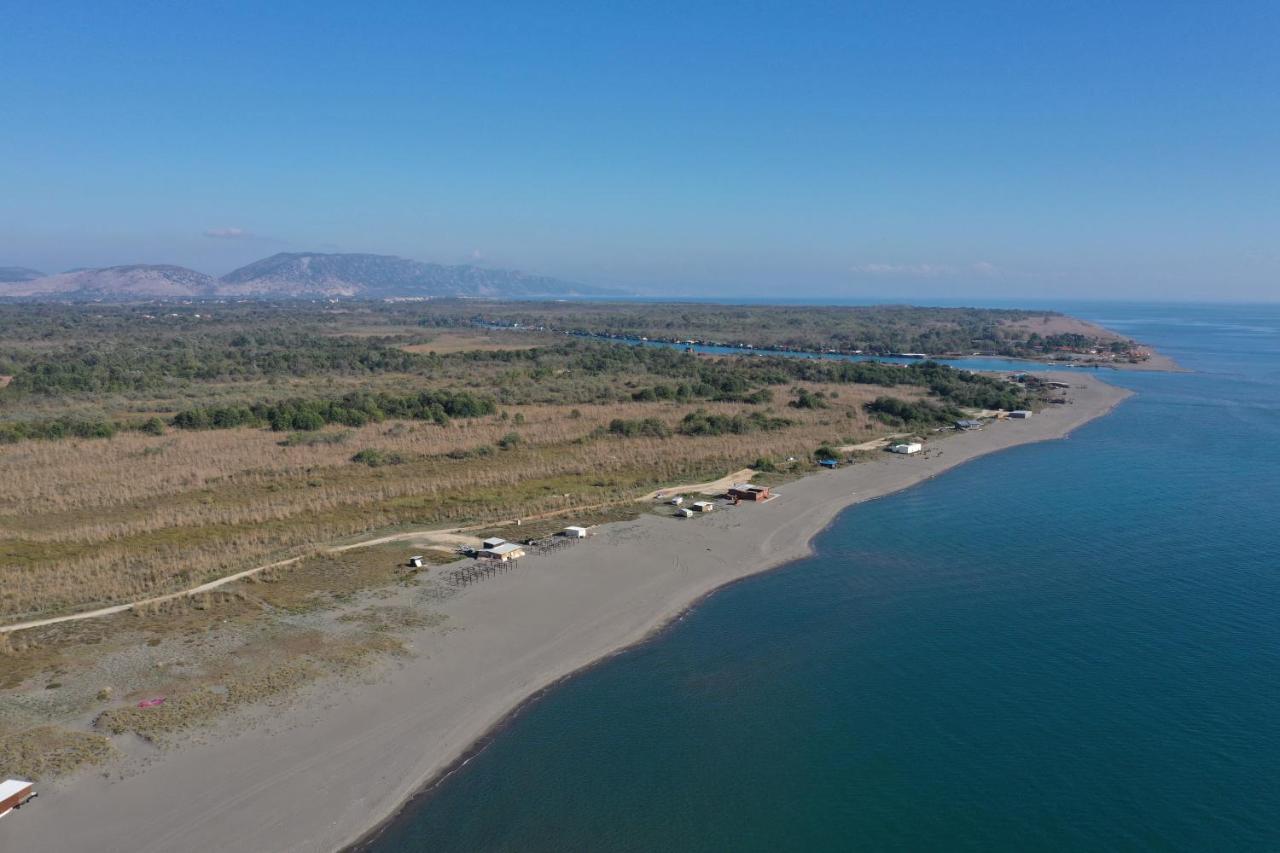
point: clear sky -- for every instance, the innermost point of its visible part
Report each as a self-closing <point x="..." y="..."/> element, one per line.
<point x="886" y="149"/>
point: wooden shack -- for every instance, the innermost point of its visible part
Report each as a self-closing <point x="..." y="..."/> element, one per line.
<point x="748" y="492"/>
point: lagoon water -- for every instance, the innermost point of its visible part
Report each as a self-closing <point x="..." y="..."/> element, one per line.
<point x="1066" y="646"/>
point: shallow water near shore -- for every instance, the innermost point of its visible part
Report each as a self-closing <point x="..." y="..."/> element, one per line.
<point x="1069" y="646"/>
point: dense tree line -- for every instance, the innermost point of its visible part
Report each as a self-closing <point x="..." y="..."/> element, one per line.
<point x="905" y="413"/>
<point x="879" y="329"/>
<point x="353" y="410"/>
<point x="704" y="423"/>
<point x="138" y="366"/>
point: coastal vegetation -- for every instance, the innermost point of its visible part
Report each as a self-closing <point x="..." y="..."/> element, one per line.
<point x="148" y="452"/>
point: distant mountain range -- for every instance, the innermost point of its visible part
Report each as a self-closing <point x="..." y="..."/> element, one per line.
<point x="286" y="275"/>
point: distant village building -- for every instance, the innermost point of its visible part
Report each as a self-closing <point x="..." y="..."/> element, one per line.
<point x="908" y="447"/>
<point x="748" y="492"/>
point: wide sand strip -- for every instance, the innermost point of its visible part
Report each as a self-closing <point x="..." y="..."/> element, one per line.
<point x="324" y="770"/>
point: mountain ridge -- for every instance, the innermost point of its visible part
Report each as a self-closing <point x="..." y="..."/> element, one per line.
<point x="289" y="275"/>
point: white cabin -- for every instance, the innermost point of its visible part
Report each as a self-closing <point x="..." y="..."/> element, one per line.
<point x="1021" y="414"/>
<point x="574" y="532"/>
<point x="503" y="552"/>
<point x="676" y="501"/>
<point x="493" y="542"/>
<point x="908" y="447"/>
<point x="684" y="512"/>
<point x="703" y="506"/>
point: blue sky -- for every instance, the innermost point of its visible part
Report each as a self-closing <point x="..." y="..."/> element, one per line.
<point x="887" y="150"/>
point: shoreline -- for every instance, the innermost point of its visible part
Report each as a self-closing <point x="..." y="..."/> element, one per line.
<point x="331" y="771"/>
<point x="460" y="761"/>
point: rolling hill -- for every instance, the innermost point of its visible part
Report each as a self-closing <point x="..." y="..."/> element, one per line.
<point x="287" y="276"/>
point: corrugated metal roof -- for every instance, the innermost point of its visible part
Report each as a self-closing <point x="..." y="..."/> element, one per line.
<point x="505" y="548"/>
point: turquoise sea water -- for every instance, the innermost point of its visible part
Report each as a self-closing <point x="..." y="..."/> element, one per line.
<point x="1067" y="646"/>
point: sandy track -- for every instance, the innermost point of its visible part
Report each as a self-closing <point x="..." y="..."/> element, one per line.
<point x="709" y="488"/>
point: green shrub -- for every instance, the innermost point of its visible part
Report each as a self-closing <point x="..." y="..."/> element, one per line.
<point x="377" y="458"/>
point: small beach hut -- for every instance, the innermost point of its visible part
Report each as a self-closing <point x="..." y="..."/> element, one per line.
<point x="13" y="793"/>
<point x="415" y="562"/>
<point x="968" y="424"/>
<point x="1020" y="414"/>
<point x="703" y="506"/>
<point x="748" y="492"/>
<point x="574" y="532"/>
<point x="684" y="512"/>
<point x="908" y="447"/>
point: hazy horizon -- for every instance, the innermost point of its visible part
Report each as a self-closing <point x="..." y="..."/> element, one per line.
<point x="900" y="154"/>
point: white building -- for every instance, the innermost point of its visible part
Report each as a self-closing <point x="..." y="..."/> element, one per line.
<point x="1021" y="414"/>
<point x="684" y="512"/>
<point x="503" y="552"/>
<point x="703" y="506"/>
<point x="574" y="532"/>
<point x="493" y="542"/>
<point x="676" y="501"/>
<point x="908" y="447"/>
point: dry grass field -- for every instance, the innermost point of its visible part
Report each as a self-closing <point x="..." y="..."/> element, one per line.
<point x="92" y="522"/>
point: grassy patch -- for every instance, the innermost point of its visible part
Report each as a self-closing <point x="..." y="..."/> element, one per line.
<point x="45" y="751"/>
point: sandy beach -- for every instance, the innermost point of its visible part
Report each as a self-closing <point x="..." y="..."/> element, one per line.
<point x="322" y="771"/>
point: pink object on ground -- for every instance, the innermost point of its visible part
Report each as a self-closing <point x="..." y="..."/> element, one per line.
<point x="151" y="703"/>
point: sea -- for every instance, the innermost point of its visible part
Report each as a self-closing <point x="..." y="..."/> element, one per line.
<point x="1068" y="646"/>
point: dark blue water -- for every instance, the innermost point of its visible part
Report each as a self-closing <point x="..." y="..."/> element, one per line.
<point x="1067" y="646"/>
